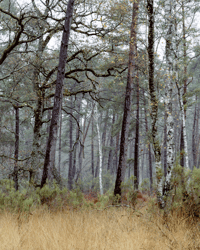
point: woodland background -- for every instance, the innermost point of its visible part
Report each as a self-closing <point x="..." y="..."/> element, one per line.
<point x="90" y="124"/>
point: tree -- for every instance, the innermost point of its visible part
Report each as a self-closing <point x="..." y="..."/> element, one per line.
<point x="170" y="17"/>
<point x="59" y="87"/>
<point x="136" y="158"/>
<point x="70" y="171"/>
<point x="128" y="101"/>
<point x="154" y="99"/>
<point x="18" y="21"/>
<point x="15" y="172"/>
<point x="96" y="115"/>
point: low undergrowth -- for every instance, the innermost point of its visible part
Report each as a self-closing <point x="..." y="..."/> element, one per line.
<point x="109" y="228"/>
<point x="51" y="218"/>
<point x="52" y="198"/>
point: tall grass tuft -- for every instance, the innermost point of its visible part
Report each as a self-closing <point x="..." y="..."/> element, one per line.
<point x="112" y="228"/>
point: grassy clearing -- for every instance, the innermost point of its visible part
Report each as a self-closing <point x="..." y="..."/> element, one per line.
<point x="111" y="228"/>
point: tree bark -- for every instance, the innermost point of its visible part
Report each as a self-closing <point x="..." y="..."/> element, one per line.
<point x="97" y="167"/>
<point x="137" y="135"/>
<point x="60" y="144"/>
<point x="142" y="168"/>
<point x="70" y="171"/>
<point x="92" y="148"/>
<point x="183" y="133"/>
<point x="165" y="147"/>
<point x="154" y="101"/>
<point x="128" y="101"/>
<point x="77" y="136"/>
<point x="110" y="156"/>
<point x="195" y="136"/>
<point x="59" y="87"/>
<point x="85" y="131"/>
<point x="104" y="137"/>
<point x="40" y="93"/>
<point x="149" y="149"/>
<point x="100" y="150"/>
<point x="15" y="176"/>
<point x="114" y="170"/>
<point x="168" y="94"/>
<point x="182" y="101"/>
<point x="38" y="114"/>
<point x="184" y="60"/>
<point x="130" y="156"/>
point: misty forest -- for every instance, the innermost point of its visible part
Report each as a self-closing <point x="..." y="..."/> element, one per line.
<point x="100" y="108"/>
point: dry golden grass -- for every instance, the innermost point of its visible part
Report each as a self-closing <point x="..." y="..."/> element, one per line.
<point x="108" y="229"/>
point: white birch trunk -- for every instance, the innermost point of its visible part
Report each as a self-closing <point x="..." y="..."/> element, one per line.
<point x="184" y="130"/>
<point x="96" y="115"/>
<point x="183" y="115"/>
<point x="159" y="184"/>
<point x="169" y="91"/>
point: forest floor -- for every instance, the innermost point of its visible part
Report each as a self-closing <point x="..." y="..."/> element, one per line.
<point x="109" y="228"/>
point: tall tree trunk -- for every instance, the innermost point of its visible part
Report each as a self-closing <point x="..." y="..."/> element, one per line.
<point x="58" y="92"/>
<point x="104" y="137"/>
<point x="142" y="168"/>
<point x="128" y="101"/>
<point x="154" y="101"/>
<point x="150" y="169"/>
<point x="110" y="156"/>
<point x="92" y="148"/>
<point x="114" y="170"/>
<point x="60" y="143"/>
<point x="15" y="176"/>
<point x="184" y="91"/>
<point x="38" y="114"/>
<point x="137" y="135"/>
<point x="149" y="149"/>
<point x="183" y="132"/>
<point x="184" y="59"/>
<point x="70" y="171"/>
<point x="97" y="167"/>
<point x="168" y="94"/>
<point x="85" y="131"/>
<point x="79" y="100"/>
<point x="130" y="156"/>
<point x="181" y="147"/>
<point x="195" y="135"/>
<point x="183" y="102"/>
<point x="165" y="147"/>
<point x="50" y="175"/>
<point x="100" y="150"/>
<point x="40" y="93"/>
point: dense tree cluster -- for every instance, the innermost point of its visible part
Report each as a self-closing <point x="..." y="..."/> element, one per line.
<point x="98" y="92"/>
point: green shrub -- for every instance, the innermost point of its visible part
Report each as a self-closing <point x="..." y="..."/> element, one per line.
<point x="75" y="197"/>
<point x="145" y="185"/>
